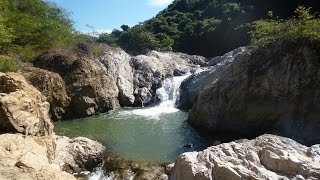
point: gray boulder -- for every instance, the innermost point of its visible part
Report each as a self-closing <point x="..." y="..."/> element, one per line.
<point x="275" y="89"/>
<point x="192" y="86"/>
<point x="117" y="63"/>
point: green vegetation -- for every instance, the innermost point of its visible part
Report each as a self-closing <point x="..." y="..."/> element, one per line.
<point x="8" y="64"/>
<point x="30" y="27"/>
<point x="204" y="27"/>
<point x="303" y="25"/>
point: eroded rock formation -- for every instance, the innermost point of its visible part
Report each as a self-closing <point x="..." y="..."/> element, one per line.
<point x="52" y="86"/>
<point x="274" y="89"/>
<point x="87" y="82"/>
<point x="23" y="109"/>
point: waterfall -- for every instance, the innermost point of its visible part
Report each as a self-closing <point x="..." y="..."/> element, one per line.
<point x="168" y="94"/>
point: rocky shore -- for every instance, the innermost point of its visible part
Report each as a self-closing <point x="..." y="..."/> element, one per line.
<point x="29" y="149"/>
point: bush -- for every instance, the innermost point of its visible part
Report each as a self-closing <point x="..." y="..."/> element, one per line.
<point x="8" y="64"/>
<point x="303" y="25"/>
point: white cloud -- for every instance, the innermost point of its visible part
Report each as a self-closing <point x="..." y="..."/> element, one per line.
<point x="96" y="32"/>
<point x="159" y="2"/>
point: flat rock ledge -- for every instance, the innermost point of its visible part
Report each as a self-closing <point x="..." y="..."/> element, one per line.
<point x="266" y="157"/>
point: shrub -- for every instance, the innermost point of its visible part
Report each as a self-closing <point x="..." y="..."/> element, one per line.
<point x="8" y="64"/>
<point x="303" y="25"/>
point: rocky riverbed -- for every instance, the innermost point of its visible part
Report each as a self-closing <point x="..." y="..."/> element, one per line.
<point x="243" y="94"/>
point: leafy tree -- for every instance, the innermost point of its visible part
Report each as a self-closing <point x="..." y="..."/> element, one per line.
<point x="125" y="27"/>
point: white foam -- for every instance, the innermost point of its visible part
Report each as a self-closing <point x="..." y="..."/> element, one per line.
<point x="168" y="94"/>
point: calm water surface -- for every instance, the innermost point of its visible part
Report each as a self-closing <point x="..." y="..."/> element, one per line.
<point x="150" y="134"/>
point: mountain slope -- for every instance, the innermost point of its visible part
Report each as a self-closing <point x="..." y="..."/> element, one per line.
<point x="204" y="27"/>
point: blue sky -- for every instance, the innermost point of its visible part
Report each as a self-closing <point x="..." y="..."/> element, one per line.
<point x="105" y="15"/>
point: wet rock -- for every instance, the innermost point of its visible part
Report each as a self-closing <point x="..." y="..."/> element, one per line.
<point x="266" y="157"/>
<point x="23" y="109"/>
<point x="52" y="86"/>
<point x="151" y="69"/>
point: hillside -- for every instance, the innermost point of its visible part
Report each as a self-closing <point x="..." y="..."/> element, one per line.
<point x="204" y="27"/>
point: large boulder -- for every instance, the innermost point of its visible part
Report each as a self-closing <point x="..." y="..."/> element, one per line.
<point x="78" y="154"/>
<point x="117" y="63"/>
<point x="209" y="73"/>
<point x="21" y="157"/>
<point x="52" y="86"/>
<point x="151" y="69"/>
<point x="46" y="157"/>
<point x="23" y="109"/>
<point x="87" y="82"/>
<point x="275" y="89"/>
<point x="266" y="157"/>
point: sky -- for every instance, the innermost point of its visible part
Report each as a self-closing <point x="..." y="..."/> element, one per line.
<point x="106" y="15"/>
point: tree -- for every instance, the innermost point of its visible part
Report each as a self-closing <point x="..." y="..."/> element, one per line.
<point x="36" y="26"/>
<point x="125" y="27"/>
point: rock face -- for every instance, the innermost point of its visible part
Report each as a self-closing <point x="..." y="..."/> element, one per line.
<point x="275" y="89"/>
<point x="211" y="71"/>
<point x="108" y="81"/>
<point x="42" y="154"/>
<point x="266" y="157"/>
<point x="89" y="87"/>
<point x="151" y="69"/>
<point x="117" y="63"/>
<point x="23" y="109"/>
<point x="52" y="86"/>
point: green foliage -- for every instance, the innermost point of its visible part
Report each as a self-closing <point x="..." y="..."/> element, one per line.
<point x="204" y="27"/>
<point x="303" y="25"/>
<point x="5" y="33"/>
<point x="28" y="27"/>
<point x="8" y="64"/>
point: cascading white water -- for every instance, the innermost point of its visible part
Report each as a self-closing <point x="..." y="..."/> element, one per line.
<point x="168" y="94"/>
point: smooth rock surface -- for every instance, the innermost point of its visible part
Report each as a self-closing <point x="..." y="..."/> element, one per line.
<point x="23" y="109"/>
<point x="266" y="157"/>
<point x="52" y="86"/>
<point x="275" y="90"/>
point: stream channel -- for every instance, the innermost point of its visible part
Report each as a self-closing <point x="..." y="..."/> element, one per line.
<point x="153" y="134"/>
